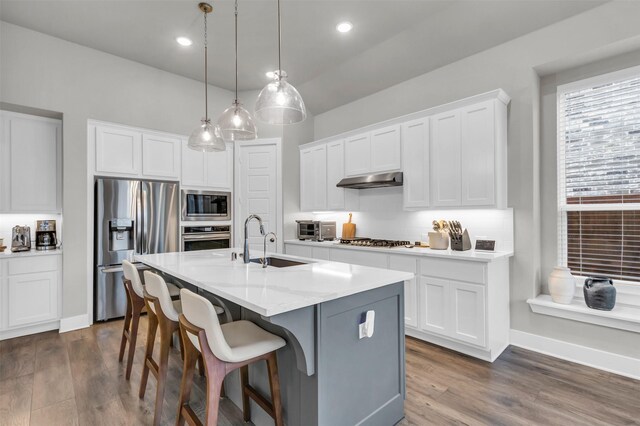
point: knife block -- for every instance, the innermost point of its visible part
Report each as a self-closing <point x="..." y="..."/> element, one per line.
<point x="463" y="244"/>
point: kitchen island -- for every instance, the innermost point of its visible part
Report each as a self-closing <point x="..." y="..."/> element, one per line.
<point x="329" y="375"/>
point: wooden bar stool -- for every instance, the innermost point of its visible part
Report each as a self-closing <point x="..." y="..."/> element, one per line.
<point x="224" y="348"/>
<point x="135" y="304"/>
<point x="163" y="313"/>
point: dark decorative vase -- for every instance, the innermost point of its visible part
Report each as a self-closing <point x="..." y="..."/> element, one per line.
<point x="599" y="293"/>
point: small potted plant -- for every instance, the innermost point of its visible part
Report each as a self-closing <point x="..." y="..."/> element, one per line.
<point x="439" y="237"/>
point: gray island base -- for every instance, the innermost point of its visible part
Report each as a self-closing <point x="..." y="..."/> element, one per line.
<point x="329" y="375"/>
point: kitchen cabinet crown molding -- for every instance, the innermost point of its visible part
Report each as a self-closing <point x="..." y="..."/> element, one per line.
<point x="497" y="94"/>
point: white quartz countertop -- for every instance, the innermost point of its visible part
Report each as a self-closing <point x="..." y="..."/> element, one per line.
<point x="472" y="255"/>
<point x="7" y="254"/>
<point x="271" y="291"/>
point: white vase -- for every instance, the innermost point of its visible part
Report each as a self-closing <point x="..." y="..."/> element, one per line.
<point x="562" y="285"/>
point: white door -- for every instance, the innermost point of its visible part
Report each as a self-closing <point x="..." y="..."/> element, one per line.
<point x="335" y="173"/>
<point x="415" y="161"/>
<point x="385" y="149"/>
<point x="468" y="313"/>
<point x="434" y="305"/>
<point x="445" y="159"/>
<point x="118" y="150"/>
<point x="302" y="251"/>
<point x="357" y="155"/>
<point x="33" y="145"/>
<point x="259" y="191"/>
<point x="160" y="156"/>
<point x="477" y="124"/>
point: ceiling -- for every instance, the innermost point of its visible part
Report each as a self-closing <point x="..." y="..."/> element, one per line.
<point x="392" y="40"/>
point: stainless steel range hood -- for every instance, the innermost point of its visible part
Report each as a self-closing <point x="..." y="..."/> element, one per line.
<point x="381" y="180"/>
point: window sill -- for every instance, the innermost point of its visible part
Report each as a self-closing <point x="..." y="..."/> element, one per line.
<point x="624" y="317"/>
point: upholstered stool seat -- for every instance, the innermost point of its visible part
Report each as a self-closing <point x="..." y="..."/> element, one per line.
<point x="224" y="348"/>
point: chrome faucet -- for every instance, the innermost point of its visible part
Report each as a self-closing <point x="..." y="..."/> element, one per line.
<point x="273" y="239"/>
<point x="245" y="257"/>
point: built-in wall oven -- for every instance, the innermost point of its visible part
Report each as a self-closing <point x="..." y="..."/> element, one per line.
<point x="205" y="205"/>
<point x="206" y="237"/>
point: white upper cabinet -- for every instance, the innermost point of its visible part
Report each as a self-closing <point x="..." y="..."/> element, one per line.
<point x="357" y="155"/>
<point x="212" y="170"/>
<point x="469" y="155"/>
<point x="335" y="173"/>
<point x="445" y="159"/>
<point x="385" y="149"/>
<point x="118" y="150"/>
<point x="313" y="178"/>
<point x="31" y="164"/>
<point x="373" y="152"/>
<point x="415" y="160"/>
<point x="478" y="145"/>
<point x="160" y="156"/>
<point x="194" y="166"/>
<point x="220" y="168"/>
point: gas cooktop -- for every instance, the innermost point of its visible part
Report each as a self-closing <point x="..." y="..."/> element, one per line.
<point x="371" y="242"/>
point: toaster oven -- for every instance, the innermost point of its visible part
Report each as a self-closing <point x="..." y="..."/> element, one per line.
<point x="315" y="230"/>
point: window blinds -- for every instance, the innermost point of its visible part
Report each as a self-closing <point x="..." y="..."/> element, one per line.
<point x="599" y="176"/>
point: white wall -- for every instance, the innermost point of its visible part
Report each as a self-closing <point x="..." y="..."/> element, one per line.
<point x="381" y="216"/>
<point x="43" y="72"/>
<point x="512" y="66"/>
<point x="292" y="136"/>
<point x="8" y="221"/>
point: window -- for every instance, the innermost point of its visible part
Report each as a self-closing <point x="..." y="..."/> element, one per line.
<point x="599" y="176"/>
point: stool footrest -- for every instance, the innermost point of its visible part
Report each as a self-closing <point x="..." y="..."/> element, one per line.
<point x="259" y="399"/>
<point x="190" y="416"/>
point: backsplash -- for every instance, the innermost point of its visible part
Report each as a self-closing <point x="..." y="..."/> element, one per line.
<point x="381" y="216"/>
<point x="8" y="221"/>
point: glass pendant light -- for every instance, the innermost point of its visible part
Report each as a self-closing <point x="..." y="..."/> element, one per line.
<point x="236" y="124"/>
<point x="279" y="102"/>
<point x="206" y="137"/>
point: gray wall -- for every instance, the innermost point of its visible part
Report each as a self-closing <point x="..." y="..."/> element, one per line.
<point x="292" y="136"/>
<point x="40" y="71"/>
<point x="513" y="66"/>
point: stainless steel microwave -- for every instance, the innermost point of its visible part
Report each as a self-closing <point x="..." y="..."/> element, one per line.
<point x="206" y="205"/>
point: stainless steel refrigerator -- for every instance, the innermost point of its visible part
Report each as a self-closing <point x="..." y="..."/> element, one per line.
<point x="131" y="217"/>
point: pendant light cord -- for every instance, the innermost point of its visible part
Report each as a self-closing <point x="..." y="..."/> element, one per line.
<point x="279" y="44"/>
<point x="236" y="29"/>
<point x="206" y="85"/>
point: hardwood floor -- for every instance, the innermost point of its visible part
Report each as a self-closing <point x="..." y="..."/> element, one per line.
<point x="75" y="379"/>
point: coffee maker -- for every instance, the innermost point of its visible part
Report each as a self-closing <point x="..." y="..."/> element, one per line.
<point x="20" y="238"/>
<point x="46" y="235"/>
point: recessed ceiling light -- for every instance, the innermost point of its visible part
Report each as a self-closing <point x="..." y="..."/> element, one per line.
<point x="184" y="41"/>
<point x="344" y="27"/>
<point x="270" y="74"/>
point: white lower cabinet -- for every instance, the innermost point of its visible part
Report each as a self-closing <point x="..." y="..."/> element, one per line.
<point x="407" y="264"/>
<point x="434" y="303"/>
<point x="32" y="298"/>
<point x="459" y="304"/>
<point x="30" y="289"/>
<point x="453" y="309"/>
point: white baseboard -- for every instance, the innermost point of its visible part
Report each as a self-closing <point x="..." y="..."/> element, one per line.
<point x="74" y="323"/>
<point x="607" y="361"/>
<point x="32" y="329"/>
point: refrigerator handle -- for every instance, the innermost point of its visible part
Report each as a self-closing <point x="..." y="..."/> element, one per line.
<point x="138" y="228"/>
<point x="144" y="215"/>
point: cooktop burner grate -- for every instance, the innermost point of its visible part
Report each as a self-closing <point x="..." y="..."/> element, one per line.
<point x="371" y="242"/>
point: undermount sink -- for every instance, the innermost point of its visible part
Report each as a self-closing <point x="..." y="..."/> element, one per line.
<point x="277" y="262"/>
